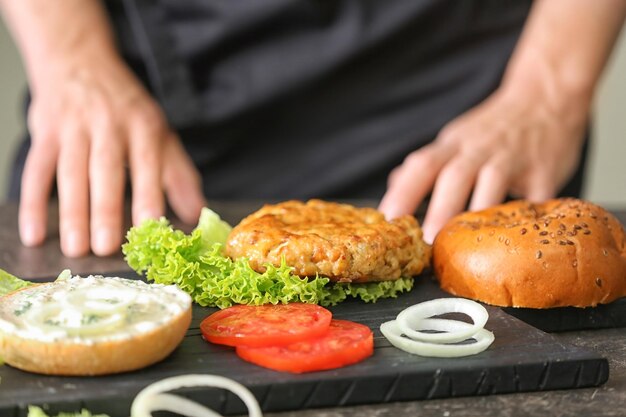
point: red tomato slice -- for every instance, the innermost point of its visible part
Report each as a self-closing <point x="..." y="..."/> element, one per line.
<point x="266" y="325"/>
<point x="344" y="343"/>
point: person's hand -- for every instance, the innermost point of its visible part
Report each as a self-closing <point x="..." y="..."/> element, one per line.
<point x="522" y="140"/>
<point x="526" y="138"/>
<point x="91" y="123"/>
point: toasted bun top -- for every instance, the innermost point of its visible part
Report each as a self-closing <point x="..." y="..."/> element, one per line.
<point x="565" y="252"/>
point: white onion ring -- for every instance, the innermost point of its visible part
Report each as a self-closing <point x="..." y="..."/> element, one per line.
<point x="391" y="330"/>
<point x="98" y="300"/>
<point x="39" y="318"/>
<point x="85" y="311"/>
<point x="152" y="397"/>
<point x="410" y="318"/>
<point x="176" y="404"/>
<point x="443" y="325"/>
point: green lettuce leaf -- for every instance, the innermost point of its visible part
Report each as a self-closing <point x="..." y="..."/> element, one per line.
<point x="212" y="228"/>
<point x="34" y="411"/>
<point x="197" y="265"/>
<point x="372" y="291"/>
<point x="10" y="283"/>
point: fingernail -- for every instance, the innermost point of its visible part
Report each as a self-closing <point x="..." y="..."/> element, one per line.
<point x="31" y="234"/>
<point x="390" y="213"/>
<point x="145" y="215"/>
<point x="429" y="235"/>
<point x="103" y="242"/>
<point x="382" y="206"/>
<point x="74" y="244"/>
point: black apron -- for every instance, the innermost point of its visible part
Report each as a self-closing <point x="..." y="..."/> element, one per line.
<point x="279" y="99"/>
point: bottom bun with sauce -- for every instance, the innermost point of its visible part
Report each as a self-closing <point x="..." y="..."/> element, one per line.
<point x="91" y="326"/>
<point x="562" y="253"/>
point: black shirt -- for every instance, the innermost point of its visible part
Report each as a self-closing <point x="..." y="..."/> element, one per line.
<point x="279" y="99"/>
<point x="313" y="98"/>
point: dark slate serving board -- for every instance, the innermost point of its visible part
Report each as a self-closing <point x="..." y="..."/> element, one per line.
<point x="570" y="318"/>
<point x="522" y="358"/>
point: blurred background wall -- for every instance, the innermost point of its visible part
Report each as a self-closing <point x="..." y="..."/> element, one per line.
<point x="606" y="179"/>
<point x="12" y="86"/>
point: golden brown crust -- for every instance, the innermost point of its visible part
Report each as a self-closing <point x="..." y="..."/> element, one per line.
<point x="565" y="252"/>
<point x="339" y="241"/>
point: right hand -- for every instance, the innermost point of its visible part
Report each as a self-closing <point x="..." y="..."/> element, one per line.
<point x="89" y="120"/>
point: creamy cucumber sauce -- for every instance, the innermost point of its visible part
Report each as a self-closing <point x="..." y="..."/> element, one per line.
<point x="90" y="310"/>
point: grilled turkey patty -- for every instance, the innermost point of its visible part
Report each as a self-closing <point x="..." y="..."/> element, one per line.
<point x="338" y="241"/>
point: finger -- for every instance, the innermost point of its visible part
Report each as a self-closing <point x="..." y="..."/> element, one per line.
<point x="107" y="179"/>
<point x="412" y="180"/>
<point x="393" y="176"/>
<point x="451" y="192"/>
<point x="541" y="186"/>
<point x="35" y="190"/>
<point x="73" y="187"/>
<point x="492" y="183"/>
<point x="182" y="182"/>
<point x="146" y="157"/>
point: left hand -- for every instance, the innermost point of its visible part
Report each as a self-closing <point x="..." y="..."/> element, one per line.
<point x="523" y="140"/>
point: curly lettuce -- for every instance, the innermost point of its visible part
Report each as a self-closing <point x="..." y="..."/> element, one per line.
<point x="196" y="263"/>
<point x="34" y="411"/>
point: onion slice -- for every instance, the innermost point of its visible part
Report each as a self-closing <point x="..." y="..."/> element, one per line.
<point x="177" y="404"/>
<point x="391" y="330"/>
<point x="106" y="300"/>
<point x="153" y="397"/>
<point x="412" y="318"/>
<point x="56" y="317"/>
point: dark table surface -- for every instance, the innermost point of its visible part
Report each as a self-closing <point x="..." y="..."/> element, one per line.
<point x="607" y="400"/>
